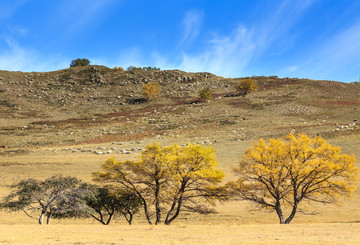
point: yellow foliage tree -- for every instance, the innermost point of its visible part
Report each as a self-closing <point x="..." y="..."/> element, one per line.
<point x="287" y="172"/>
<point x="118" y="68"/>
<point x="246" y="86"/>
<point x="168" y="180"/>
<point x="151" y="90"/>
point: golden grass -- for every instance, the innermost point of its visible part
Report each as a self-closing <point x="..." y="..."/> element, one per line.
<point x="181" y="234"/>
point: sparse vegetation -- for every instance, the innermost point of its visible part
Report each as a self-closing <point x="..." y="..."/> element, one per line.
<point x="80" y="62"/>
<point x="292" y="171"/>
<point x="146" y="68"/>
<point x="6" y="103"/>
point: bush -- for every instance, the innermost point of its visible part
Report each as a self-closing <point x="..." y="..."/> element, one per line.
<point x="205" y="94"/>
<point x="79" y="62"/>
<point x="151" y="90"/>
<point x="118" y="68"/>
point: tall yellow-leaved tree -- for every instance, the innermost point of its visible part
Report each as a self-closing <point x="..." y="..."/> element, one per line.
<point x="168" y="180"/>
<point x="290" y="171"/>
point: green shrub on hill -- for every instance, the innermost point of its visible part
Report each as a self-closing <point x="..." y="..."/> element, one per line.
<point x="79" y="62"/>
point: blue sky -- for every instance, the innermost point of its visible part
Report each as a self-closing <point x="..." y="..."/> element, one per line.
<point x="318" y="39"/>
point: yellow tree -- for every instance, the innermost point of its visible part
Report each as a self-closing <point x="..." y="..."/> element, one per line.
<point x="286" y="172"/>
<point x="151" y="90"/>
<point x="168" y="180"/>
<point x="118" y="68"/>
<point x="194" y="181"/>
<point x="246" y="86"/>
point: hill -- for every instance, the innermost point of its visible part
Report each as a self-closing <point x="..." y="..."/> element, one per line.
<point x="95" y="104"/>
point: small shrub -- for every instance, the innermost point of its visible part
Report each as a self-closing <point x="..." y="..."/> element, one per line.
<point x="6" y="103"/>
<point x="151" y="90"/>
<point x="118" y="68"/>
<point x="205" y="94"/>
<point x="79" y="62"/>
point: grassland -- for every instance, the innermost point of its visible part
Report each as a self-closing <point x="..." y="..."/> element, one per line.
<point x="181" y="234"/>
<point x="47" y="132"/>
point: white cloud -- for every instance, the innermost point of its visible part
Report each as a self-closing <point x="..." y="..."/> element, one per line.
<point x="230" y="54"/>
<point x="225" y="55"/>
<point x="191" y="26"/>
<point x="17" y="58"/>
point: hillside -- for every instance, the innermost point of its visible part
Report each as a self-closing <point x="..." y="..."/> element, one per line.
<point x="95" y="104"/>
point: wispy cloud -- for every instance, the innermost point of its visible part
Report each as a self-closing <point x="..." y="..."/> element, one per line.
<point x="19" y="31"/>
<point x="17" y="58"/>
<point x="224" y="55"/>
<point x="70" y="16"/>
<point x="340" y="51"/>
<point x="231" y="54"/>
<point x="191" y="26"/>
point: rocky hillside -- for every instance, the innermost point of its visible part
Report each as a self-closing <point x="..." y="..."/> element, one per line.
<point x="95" y="104"/>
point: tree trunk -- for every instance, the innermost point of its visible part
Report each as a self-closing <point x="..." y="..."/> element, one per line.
<point x="292" y="215"/>
<point x="110" y="216"/>
<point x="279" y="213"/>
<point x="146" y="211"/>
<point x="169" y="212"/>
<point x="98" y="219"/>
<point x="157" y="203"/>
<point x="177" y="203"/>
<point x="128" y="218"/>
<point x="48" y="216"/>
<point x="48" y="219"/>
<point x="168" y="221"/>
<point x="41" y="218"/>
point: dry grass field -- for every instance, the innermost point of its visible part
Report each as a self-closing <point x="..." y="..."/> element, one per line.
<point x="181" y="234"/>
<point x="53" y="123"/>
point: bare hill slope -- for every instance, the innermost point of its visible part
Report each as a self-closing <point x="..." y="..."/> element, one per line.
<point x="97" y="104"/>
